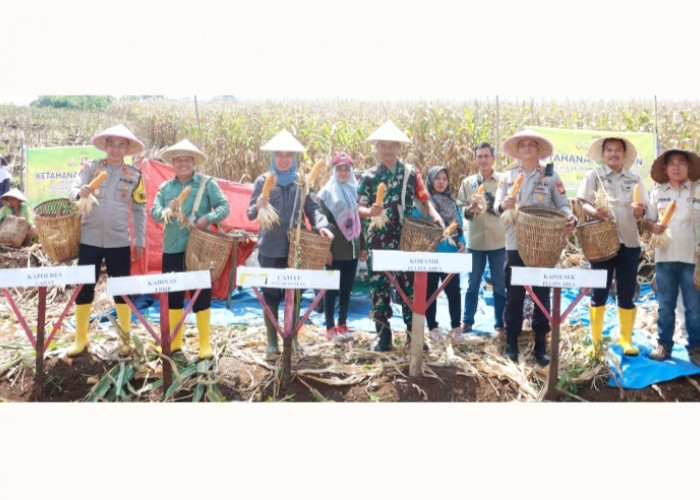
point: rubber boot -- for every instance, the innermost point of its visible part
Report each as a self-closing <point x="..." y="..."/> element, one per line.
<point x="273" y="349"/>
<point x="82" y="322"/>
<point x="175" y="316"/>
<point x="203" y="327"/>
<point x="597" y="318"/>
<point x="512" y="346"/>
<point x="384" y="343"/>
<point x="540" y="350"/>
<point x="626" y="326"/>
<point x="124" y="320"/>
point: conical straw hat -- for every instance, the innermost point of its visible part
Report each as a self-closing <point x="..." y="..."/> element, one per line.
<point x="390" y="133"/>
<point x="100" y="140"/>
<point x="184" y="148"/>
<point x="595" y="152"/>
<point x="284" y="141"/>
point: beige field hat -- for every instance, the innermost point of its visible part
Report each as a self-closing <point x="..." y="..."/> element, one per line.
<point x="100" y="140"/>
<point x="658" y="172"/>
<point x="595" y="152"/>
<point x="389" y="133"/>
<point x="283" y="141"/>
<point x="15" y="193"/>
<point x="510" y="145"/>
<point x="184" y="148"/>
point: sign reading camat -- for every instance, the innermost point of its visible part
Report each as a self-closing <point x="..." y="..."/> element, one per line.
<point x="559" y="278"/>
<point x="396" y="260"/>
<point x="287" y="278"/>
<point x="46" y="276"/>
<point x="159" y="283"/>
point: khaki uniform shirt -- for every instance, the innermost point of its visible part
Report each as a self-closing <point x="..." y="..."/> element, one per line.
<point x="486" y="231"/>
<point x="684" y="226"/>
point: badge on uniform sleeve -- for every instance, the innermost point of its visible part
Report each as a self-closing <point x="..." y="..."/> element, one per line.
<point x="540" y="197"/>
<point x="560" y="187"/>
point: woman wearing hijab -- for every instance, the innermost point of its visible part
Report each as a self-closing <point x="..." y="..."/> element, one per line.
<point x="438" y="185"/>
<point x="14" y="205"/>
<point x="273" y="242"/>
<point x="339" y="204"/>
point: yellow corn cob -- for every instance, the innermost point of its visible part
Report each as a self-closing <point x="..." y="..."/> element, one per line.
<point x="269" y="183"/>
<point x="314" y="171"/>
<point x="381" y="191"/>
<point x="668" y="213"/>
<point x="637" y="195"/>
<point x="450" y="229"/>
<point x="480" y="191"/>
<point x="516" y="186"/>
<point x="185" y="193"/>
<point x="98" y="180"/>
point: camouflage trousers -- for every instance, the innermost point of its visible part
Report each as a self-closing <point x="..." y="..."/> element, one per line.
<point x="380" y="292"/>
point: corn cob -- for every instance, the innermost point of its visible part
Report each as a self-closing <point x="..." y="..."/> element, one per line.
<point x="379" y="221"/>
<point x="480" y="191"/>
<point x="516" y="185"/>
<point x="509" y="216"/>
<point x="267" y="215"/>
<point x="447" y="233"/>
<point x="168" y="213"/>
<point x="664" y="239"/>
<point x="267" y="187"/>
<point x="637" y="195"/>
<point x="99" y="179"/>
<point x="315" y="171"/>
<point x="84" y="205"/>
<point x="668" y="213"/>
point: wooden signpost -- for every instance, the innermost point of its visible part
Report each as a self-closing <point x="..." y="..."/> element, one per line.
<point x="160" y="285"/>
<point x="556" y="279"/>
<point x="420" y="263"/>
<point x="41" y="278"/>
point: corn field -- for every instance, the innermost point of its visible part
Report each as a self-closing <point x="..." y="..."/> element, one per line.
<point x="231" y="132"/>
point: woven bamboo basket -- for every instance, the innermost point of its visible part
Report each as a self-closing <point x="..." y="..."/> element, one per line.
<point x="312" y="252"/>
<point x="419" y="235"/>
<point x="58" y="228"/>
<point x="598" y="239"/>
<point x="696" y="274"/>
<point x="13" y="231"/>
<point x="540" y="235"/>
<point x="207" y="250"/>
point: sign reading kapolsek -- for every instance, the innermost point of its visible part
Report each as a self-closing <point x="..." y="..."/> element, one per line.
<point x="559" y="278"/>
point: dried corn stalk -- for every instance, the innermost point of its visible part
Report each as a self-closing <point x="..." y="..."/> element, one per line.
<point x="267" y="215"/>
<point x="379" y="221"/>
<point x="84" y="205"/>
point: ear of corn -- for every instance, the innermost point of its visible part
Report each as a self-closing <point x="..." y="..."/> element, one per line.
<point x="315" y="171"/>
<point x="668" y="213"/>
<point x="99" y="179"/>
<point x="183" y="196"/>
<point x="480" y="191"/>
<point x="516" y="185"/>
<point x="381" y="191"/>
<point x="637" y="195"/>
<point x="269" y="184"/>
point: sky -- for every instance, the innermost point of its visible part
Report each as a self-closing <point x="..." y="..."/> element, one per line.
<point x="365" y="49"/>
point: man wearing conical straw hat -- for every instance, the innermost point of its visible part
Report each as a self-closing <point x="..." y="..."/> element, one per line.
<point x="607" y="191"/>
<point x="677" y="172"/>
<point x="538" y="186"/>
<point x="273" y="241"/>
<point x="179" y="195"/>
<point x="105" y="229"/>
<point x="402" y="184"/>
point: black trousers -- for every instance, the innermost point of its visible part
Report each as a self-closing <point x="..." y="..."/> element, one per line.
<point x="175" y="263"/>
<point x="117" y="260"/>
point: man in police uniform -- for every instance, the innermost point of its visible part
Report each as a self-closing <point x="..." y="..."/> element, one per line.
<point x="105" y="230"/>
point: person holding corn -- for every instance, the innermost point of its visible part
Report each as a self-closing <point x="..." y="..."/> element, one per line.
<point x="112" y="189"/>
<point x="677" y="196"/>
<point x="275" y="204"/>
<point x="528" y="184"/>
<point x="614" y="191"/>
<point x="386" y="192"/>
<point x="180" y="206"/>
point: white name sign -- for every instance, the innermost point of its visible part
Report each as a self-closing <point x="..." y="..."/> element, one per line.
<point x="559" y="278"/>
<point x="47" y="276"/>
<point x="287" y="278"/>
<point x="396" y="260"/>
<point x="159" y="283"/>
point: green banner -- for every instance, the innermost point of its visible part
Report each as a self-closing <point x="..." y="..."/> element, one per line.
<point x="571" y="148"/>
<point x="50" y="171"/>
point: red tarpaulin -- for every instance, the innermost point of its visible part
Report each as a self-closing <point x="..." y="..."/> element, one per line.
<point x="238" y="196"/>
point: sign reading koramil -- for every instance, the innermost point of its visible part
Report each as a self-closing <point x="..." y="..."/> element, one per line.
<point x="287" y="278"/>
<point x="429" y="262"/>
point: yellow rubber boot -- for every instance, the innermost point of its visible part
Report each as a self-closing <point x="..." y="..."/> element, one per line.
<point x="124" y="320"/>
<point x="597" y="319"/>
<point x="626" y="326"/>
<point x="82" y="322"/>
<point x="176" y="340"/>
<point x="203" y="318"/>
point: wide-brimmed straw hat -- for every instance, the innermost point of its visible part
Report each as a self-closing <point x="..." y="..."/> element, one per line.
<point x="184" y="148"/>
<point x="283" y="141"/>
<point x="595" y="152"/>
<point x="658" y="172"/>
<point x="389" y="133"/>
<point x="510" y="145"/>
<point x="14" y="193"/>
<point x="100" y="140"/>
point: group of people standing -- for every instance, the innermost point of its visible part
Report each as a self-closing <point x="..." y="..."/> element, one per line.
<point x="356" y="220"/>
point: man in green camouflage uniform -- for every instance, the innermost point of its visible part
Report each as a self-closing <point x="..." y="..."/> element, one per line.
<point x="397" y="204"/>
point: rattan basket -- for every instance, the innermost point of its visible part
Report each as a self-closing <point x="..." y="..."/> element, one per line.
<point x="419" y="235"/>
<point x="540" y="235"/>
<point x="13" y="231"/>
<point x="58" y="228"/>
<point x="598" y="239"/>
<point x="207" y="250"/>
<point x="312" y="252"/>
